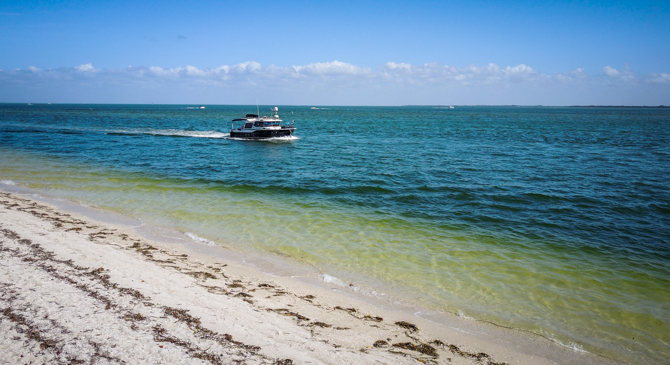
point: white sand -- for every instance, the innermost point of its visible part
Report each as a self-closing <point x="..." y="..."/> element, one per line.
<point x="75" y="290"/>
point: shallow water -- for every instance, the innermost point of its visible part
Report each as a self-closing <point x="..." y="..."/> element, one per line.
<point x="554" y="220"/>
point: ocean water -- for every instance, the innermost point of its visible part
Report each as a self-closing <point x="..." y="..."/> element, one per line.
<point x="553" y="220"/>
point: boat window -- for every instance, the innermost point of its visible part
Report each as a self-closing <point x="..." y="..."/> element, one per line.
<point x="248" y="125"/>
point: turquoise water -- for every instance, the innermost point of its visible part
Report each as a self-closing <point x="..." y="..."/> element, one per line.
<point x="553" y="220"/>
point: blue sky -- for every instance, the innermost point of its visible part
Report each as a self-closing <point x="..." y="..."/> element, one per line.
<point x="336" y="52"/>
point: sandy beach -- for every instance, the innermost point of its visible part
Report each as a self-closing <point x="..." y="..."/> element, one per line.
<point x="77" y="290"/>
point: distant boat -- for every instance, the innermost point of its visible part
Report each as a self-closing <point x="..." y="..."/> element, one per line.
<point x="203" y="107"/>
<point x="262" y="128"/>
<point x="451" y="107"/>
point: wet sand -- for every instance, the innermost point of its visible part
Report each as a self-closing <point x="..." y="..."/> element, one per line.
<point x="77" y="290"/>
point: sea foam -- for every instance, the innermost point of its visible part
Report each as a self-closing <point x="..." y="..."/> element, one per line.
<point x="199" y="239"/>
<point x="333" y="280"/>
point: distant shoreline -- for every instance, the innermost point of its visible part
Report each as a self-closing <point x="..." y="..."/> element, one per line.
<point x="621" y="106"/>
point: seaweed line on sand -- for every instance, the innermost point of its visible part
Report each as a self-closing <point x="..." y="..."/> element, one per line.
<point x="102" y="291"/>
<point x="231" y="287"/>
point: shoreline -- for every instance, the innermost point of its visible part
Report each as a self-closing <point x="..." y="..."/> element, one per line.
<point x="239" y="308"/>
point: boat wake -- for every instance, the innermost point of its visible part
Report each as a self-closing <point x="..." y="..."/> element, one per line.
<point x="171" y="133"/>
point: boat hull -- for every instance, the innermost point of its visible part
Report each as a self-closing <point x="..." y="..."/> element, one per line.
<point x="261" y="134"/>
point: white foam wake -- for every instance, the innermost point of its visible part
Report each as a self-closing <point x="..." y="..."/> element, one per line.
<point x="173" y="133"/>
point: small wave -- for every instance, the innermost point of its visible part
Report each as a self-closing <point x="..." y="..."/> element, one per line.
<point x="333" y="280"/>
<point x="462" y="315"/>
<point x="199" y="239"/>
<point x="573" y="346"/>
<point x="8" y="182"/>
<point x="368" y="189"/>
<point x="172" y="133"/>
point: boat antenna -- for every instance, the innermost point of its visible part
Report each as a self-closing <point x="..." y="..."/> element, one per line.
<point x="257" y="110"/>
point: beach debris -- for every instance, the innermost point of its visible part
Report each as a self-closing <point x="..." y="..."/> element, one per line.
<point x="348" y="310"/>
<point x="308" y="298"/>
<point x="102" y="290"/>
<point x="134" y="317"/>
<point x="422" y="348"/>
<point x="354" y="313"/>
<point x="407" y="326"/>
<point x="321" y="324"/>
<point x="182" y="316"/>
<point x="381" y="344"/>
<point x="204" y="275"/>
<point x="161" y="335"/>
<point x="478" y="356"/>
<point x="215" y="269"/>
<point x="30" y="330"/>
<point x="373" y="319"/>
<point x="215" y="289"/>
<point x="287" y="312"/>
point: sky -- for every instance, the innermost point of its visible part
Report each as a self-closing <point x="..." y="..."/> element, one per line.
<point x="334" y="52"/>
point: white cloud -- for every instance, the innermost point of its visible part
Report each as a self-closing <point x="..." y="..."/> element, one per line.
<point x="399" y="66"/>
<point x="580" y="73"/>
<point x="625" y="75"/>
<point x="331" y="69"/>
<point x="609" y="71"/>
<point x="660" y="78"/>
<point x="194" y="71"/>
<point x="519" y="70"/>
<point x="245" y="68"/>
<point x="222" y="69"/>
<point x="85" y="68"/>
<point x="336" y="82"/>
